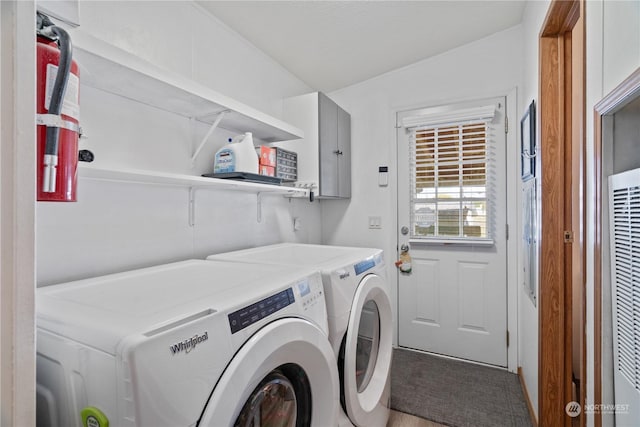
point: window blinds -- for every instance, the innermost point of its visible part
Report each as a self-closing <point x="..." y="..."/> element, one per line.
<point x="451" y="175"/>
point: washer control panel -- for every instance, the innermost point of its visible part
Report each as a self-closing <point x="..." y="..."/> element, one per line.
<point x="247" y="316"/>
<point x="310" y="293"/>
<point x="306" y="293"/>
<point x="368" y="264"/>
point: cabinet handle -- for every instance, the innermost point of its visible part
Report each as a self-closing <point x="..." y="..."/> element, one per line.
<point x="338" y="152"/>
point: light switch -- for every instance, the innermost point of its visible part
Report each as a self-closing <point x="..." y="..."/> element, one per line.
<point x="375" y="222"/>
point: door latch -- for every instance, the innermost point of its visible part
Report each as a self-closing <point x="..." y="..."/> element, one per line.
<point x="568" y="236"/>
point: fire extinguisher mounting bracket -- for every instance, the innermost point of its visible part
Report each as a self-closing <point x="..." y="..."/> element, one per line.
<point x="53" y="120"/>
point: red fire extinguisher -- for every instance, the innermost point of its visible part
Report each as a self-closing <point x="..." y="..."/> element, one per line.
<point x="58" y="113"/>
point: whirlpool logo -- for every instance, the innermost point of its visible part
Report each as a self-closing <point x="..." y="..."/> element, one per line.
<point x="189" y="344"/>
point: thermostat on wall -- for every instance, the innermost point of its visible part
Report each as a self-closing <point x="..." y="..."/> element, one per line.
<point x="383" y="176"/>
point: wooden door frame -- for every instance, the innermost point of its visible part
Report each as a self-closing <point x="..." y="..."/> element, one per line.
<point x="562" y="176"/>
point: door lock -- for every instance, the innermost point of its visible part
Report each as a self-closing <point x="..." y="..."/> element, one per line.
<point x="404" y="230"/>
<point x="568" y="236"/>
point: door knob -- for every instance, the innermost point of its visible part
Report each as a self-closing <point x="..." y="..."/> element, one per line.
<point x="404" y="247"/>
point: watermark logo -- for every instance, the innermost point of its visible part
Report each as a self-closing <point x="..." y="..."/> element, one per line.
<point x="573" y="409"/>
<point x="607" y="408"/>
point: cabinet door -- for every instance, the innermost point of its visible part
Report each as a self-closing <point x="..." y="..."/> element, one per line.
<point x="328" y="146"/>
<point x="344" y="154"/>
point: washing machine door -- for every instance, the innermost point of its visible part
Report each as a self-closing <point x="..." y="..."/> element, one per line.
<point x="285" y="375"/>
<point x="367" y="354"/>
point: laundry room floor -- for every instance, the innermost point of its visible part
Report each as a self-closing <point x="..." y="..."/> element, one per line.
<point x="400" y="419"/>
<point x="456" y="393"/>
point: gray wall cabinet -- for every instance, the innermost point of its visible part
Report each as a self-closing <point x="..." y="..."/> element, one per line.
<point x="324" y="156"/>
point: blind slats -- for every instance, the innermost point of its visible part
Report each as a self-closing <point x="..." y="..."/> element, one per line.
<point x="451" y="174"/>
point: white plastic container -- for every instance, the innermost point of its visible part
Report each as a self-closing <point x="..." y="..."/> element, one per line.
<point x="238" y="155"/>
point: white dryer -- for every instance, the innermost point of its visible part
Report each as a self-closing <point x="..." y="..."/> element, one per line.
<point x="360" y="320"/>
<point x="193" y="343"/>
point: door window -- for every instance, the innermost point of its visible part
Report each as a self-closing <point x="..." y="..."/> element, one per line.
<point x="278" y="400"/>
<point x="451" y="174"/>
<point x="367" y="346"/>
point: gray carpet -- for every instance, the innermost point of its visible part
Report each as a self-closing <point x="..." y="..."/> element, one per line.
<point x="456" y="393"/>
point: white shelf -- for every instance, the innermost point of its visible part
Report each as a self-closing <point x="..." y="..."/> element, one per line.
<point x="162" y="178"/>
<point x="108" y="68"/>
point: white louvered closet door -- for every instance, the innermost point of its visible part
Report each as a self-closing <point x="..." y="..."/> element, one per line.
<point x="624" y="213"/>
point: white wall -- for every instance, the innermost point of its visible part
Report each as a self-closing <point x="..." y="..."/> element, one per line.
<point x="594" y="68"/>
<point x="182" y="37"/>
<point x="613" y="53"/>
<point x="485" y="68"/>
<point x="17" y="214"/>
<point x="118" y="226"/>
<point x="620" y="41"/>
<point x="532" y="21"/>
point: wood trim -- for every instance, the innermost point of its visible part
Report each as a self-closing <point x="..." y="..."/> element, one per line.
<point x="616" y="99"/>
<point x="619" y="96"/>
<point x="561" y="17"/>
<point x="551" y="364"/>
<point x="532" y="414"/>
<point x="562" y="146"/>
<point x="566" y="71"/>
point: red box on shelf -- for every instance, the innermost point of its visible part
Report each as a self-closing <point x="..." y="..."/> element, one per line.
<point x="267" y="170"/>
<point x="267" y="156"/>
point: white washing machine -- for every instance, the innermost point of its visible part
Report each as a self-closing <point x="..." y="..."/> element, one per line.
<point x="360" y="320"/>
<point x="193" y="343"/>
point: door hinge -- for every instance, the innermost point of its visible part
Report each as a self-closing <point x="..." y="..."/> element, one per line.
<point x="507" y="338"/>
<point x="568" y="236"/>
<point x="506" y="226"/>
<point x="506" y="124"/>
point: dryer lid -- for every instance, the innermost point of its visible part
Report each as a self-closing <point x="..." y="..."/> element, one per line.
<point x="320" y="256"/>
<point x="103" y="311"/>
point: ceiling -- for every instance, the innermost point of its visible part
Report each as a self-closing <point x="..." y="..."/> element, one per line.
<point x="334" y="44"/>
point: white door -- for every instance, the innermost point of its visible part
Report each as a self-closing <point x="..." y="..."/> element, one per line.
<point x="452" y="201"/>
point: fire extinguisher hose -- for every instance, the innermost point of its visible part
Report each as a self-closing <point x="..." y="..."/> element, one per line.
<point x="55" y="108"/>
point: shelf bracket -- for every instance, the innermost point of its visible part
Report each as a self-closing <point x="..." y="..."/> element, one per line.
<point x="213" y="127"/>
<point x="192" y="206"/>
<point x="259" y="207"/>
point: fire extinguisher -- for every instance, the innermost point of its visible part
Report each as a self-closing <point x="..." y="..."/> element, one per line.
<point x="58" y="113"/>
